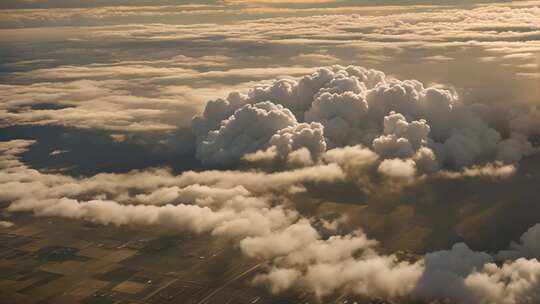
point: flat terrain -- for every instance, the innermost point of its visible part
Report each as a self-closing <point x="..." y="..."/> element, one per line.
<point x="51" y="260"/>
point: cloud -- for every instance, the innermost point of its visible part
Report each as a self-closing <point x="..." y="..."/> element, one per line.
<point x="90" y="104"/>
<point x="281" y="243"/>
<point x="495" y="170"/>
<point x="224" y="221"/>
<point x="6" y="224"/>
<point x="287" y="139"/>
<point x="340" y="106"/>
<point x="526" y="122"/>
<point x="464" y="276"/>
<point x="300" y="138"/>
<point x="300" y="158"/>
<point x="195" y="193"/>
<point x="251" y="208"/>
<point x="445" y="272"/>
<point x="512" y="283"/>
<point x="528" y="246"/>
<point x="397" y="168"/>
<point x="341" y="263"/>
<point x="279" y="279"/>
<point x="124" y="96"/>
<point x="249" y="129"/>
<point x="166" y="201"/>
<point x="353" y="157"/>
<point x="339" y="113"/>
<point x="376" y="277"/>
<point x="514" y="148"/>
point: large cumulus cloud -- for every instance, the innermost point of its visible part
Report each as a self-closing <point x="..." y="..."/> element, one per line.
<point x="341" y="106"/>
<point x="255" y="127"/>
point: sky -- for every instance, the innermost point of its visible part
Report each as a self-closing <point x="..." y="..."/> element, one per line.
<point x="345" y="131"/>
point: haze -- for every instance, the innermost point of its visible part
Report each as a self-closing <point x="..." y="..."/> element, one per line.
<point x="269" y="151"/>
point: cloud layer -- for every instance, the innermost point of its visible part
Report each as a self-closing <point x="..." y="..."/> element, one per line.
<point x="254" y="210"/>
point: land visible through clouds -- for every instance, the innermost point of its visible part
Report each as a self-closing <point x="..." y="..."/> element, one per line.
<point x="269" y="151"/>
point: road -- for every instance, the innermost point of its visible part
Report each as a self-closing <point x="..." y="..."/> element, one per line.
<point x="210" y="295"/>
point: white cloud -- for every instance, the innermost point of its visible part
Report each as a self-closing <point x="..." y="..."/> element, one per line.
<point x="6" y="224"/>
<point x="246" y="207"/>
<point x="398" y="168"/>
<point x="350" y="106"/>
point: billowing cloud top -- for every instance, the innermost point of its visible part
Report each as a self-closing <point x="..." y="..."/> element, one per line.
<point x="342" y="106"/>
